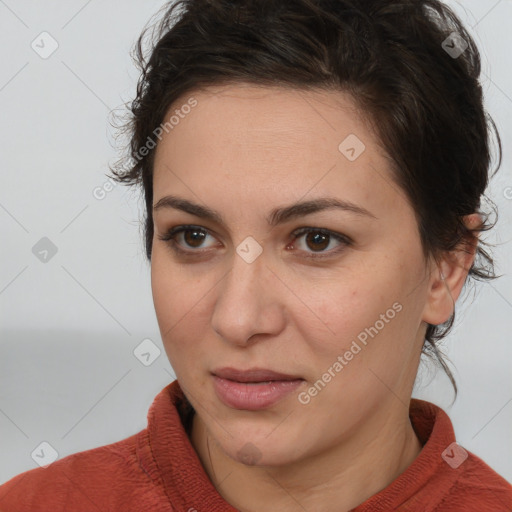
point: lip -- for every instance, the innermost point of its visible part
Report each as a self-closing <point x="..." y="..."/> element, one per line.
<point x="253" y="375"/>
<point x="254" y="389"/>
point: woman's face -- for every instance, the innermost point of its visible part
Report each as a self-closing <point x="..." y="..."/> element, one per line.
<point x="345" y="315"/>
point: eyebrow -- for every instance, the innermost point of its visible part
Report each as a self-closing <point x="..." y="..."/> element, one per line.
<point x="277" y="216"/>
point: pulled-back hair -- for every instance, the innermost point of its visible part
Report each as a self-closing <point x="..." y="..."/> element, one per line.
<point x="423" y="101"/>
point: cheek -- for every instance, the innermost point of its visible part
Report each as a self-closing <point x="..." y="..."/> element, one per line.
<point x="368" y="320"/>
<point x="163" y="290"/>
<point x="342" y="309"/>
<point x="174" y="291"/>
<point x="181" y="303"/>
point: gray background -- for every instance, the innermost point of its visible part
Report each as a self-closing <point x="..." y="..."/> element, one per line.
<point x="68" y="375"/>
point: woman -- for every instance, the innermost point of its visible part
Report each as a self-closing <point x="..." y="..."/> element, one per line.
<point x="312" y="171"/>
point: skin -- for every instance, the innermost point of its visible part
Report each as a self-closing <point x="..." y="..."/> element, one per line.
<point x="243" y="151"/>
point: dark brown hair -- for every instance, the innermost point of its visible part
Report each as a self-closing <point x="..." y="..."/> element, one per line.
<point x="424" y="103"/>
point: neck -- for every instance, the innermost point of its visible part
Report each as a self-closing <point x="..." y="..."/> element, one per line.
<point x="336" y="480"/>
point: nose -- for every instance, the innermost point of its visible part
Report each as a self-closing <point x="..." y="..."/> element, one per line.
<point x="249" y="302"/>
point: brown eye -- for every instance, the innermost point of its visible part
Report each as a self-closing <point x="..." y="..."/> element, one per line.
<point x="193" y="237"/>
<point x="188" y="241"/>
<point x="182" y="237"/>
<point x="318" y="240"/>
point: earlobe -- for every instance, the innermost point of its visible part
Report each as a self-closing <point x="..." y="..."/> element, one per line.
<point x="440" y="301"/>
<point x="447" y="280"/>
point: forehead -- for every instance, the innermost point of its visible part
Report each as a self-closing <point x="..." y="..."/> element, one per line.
<point x="242" y="109"/>
<point x="270" y="139"/>
<point x="264" y="119"/>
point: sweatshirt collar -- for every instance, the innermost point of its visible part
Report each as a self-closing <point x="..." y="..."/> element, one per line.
<point x="167" y="456"/>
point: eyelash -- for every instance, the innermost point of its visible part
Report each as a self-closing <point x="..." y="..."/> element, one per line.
<point x="171" y="234"/>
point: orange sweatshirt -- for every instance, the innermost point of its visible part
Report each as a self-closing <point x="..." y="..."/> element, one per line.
<point x="158" y="470"/>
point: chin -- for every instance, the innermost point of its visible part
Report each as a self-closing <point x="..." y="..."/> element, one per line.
<point x="259" y="451"/>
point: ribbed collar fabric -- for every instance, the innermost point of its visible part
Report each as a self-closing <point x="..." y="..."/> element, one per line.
<point x="167" y="456"/>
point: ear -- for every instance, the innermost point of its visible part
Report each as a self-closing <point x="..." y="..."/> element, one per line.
<point x="448" y="277"/>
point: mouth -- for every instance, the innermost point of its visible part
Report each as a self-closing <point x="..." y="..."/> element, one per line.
<point x="253" y="389"/>
<point x="254" y="375"/>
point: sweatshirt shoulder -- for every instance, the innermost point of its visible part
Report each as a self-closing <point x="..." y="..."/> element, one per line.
<point x="477" y="488"/>
<point x="83" y="478"/>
